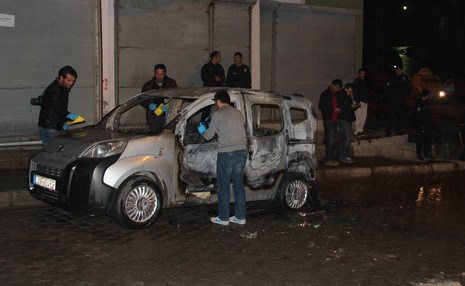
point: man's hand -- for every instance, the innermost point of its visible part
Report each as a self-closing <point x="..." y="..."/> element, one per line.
<point x="65" y="127"/>
<point x="72" y="116"/>
<point x="201" y="128"/>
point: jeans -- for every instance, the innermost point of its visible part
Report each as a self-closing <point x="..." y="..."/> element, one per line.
<point x="345" y="127"/>
<point x="47" y="134"/>
<point x="230" y="167"/>
<point x="330" y="128"/>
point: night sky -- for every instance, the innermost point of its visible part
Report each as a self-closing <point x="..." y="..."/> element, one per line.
<point x="435" y="31"/>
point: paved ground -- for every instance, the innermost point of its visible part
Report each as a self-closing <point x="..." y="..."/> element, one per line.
<point x="380" y="231"/>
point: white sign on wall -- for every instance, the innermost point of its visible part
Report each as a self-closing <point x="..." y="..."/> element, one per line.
<point x="7" y="20"/>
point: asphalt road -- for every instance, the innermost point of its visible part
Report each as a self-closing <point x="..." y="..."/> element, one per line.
<point x="404" y="231"/>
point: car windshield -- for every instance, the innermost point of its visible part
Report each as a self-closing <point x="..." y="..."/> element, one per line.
<point x="148" y="113"/>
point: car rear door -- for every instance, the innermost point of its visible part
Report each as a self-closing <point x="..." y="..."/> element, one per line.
<point x="267" y="136"/>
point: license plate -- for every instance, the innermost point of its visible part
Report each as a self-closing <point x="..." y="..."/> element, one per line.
<point x="45" y="182"/>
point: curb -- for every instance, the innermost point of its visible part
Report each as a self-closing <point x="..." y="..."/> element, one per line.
<point x="339" y="173"/>
<point x="15" y="199"/>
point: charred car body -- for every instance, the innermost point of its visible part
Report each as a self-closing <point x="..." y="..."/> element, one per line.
<point x="120" y="167"/>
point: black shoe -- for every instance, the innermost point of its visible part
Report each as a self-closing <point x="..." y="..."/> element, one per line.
<point x="420" y="157"/>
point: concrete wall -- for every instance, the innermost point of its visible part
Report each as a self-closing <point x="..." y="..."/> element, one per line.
<point x="45" y="36"/>
<point x="303" y="47"/>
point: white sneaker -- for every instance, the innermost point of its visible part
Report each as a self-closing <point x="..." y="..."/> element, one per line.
<point x="234" y="219"/>
<point x="217" y="220"/>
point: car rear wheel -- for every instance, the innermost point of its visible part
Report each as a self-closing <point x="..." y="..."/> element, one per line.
<point x="293" y="192"/>
<point x="138" y="203"/>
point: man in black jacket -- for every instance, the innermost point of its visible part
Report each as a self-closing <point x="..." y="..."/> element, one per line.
<point x="345" y="119"/>
<point x="159" y="80"/>
<point x="238" y="73"/>
<point x="398" y="92"/>
<point x="212" y="73"/>
<point x="156" y="120"/>
<point x="328" y="105"/>
<point x="361" y="97"/>
<point x="54" y="106"/>
<point x="422" y="122"/>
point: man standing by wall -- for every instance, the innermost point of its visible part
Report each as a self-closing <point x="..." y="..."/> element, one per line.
<point x="212" y="73"/>
<point x="54" y="106"/>
<point x="328" y="106"/>
<point x="228" y="123"/>
<point x="361" y="97"/>
<point x="238" y="73"/>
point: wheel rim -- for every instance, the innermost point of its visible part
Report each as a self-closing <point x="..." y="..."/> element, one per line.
<point x="141" y="203"/>
<point x="296" y="194"/>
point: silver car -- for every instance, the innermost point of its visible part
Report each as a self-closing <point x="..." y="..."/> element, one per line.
<point x="147" y="154"/>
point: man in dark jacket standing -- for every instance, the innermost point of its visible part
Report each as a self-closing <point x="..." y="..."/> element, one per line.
<point x="397" y="91"/>
<point x="346" y="117"/>
<point x="212" y="73"/>
<point x="54" y="106"/>
<point x="238" y="73"/>
<point x="330" y="110"/>
<point x="361" y="97"/>
<point x="156" y="120"/>
<point x="422" y="122"/>
<point x="159" y="80"/>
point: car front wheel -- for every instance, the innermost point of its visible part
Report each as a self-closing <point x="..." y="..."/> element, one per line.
<point x="138" y="203"/>
<point x="293" y="192"/>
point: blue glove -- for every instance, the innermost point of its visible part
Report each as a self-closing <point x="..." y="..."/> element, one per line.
<point x="165" y="108"/>
<point x="65" y="127"/>
<point x="72" y="116"/>
<point x="152" y="106"/>
<point x="201" y="128"/>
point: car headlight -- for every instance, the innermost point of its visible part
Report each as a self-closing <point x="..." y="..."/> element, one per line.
<point x="442" y="94"/>
<point x="106" y="149"/>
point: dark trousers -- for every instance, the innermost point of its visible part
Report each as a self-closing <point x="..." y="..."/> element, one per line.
<point x="423" y="141"/>
<point x="397" y="110"/>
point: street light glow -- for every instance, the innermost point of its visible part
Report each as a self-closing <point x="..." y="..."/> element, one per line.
<point x="404" y="7"/>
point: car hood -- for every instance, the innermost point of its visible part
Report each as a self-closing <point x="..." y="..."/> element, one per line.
<point x="75" y="142"/>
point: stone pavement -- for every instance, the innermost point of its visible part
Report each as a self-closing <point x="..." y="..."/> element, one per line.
<point x="373" y="156"/>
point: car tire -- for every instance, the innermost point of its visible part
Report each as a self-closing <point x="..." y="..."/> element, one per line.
<point x="294" y="192"/>
<point x="138" y="203"/>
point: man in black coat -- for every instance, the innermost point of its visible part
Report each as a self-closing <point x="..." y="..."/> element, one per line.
<point x="238" y="73"/>
<point x="156" y="120"/>
<point x="361" y="97"/>
<point x="54" y="105"/>
<point x="397" y="92"/>
<point x="212" y="73"/>
<point x="328" y="105"/>
<point x="345" y="119"/>
<point x="422" y="123"/>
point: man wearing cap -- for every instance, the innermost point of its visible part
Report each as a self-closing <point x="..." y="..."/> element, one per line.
<point x="228" y="123"/>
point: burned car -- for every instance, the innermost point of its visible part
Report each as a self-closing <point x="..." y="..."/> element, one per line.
<point x="131" y="166"/>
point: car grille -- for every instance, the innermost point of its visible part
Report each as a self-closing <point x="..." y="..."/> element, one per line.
<point x="46" y="194"/>
<point x="49" y="171"/>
